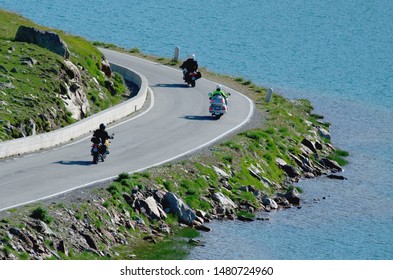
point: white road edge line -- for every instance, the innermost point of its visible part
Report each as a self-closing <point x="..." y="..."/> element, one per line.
<point x="250" y="113"/>
<point x="80" y="140"/>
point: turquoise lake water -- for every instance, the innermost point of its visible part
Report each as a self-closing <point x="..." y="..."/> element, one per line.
<point x="338" y="54"/>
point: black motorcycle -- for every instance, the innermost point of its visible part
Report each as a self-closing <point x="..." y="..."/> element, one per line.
<point x="191" y="77"/>
<point x="99" y="151"/>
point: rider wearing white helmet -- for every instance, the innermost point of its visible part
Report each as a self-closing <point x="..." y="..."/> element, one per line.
<point x="219" y="91"/>
<point x="189" y="65"/>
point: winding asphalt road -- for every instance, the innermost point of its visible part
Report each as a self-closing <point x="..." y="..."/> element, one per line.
<point x="175" y="122"/>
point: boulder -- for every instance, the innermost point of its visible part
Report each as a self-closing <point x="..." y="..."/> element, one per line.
<point x="223" y="201"/>
<point x="43" y="38"/>
<point x="324" y="133"/>
<point x="291" y="171"/>
<point x="90" y="240"/>
<point x="196" y="242"/>
<point x="159" y="196"/>
<point x="151" y="208"/>
<point x="255" y="171"/>
<point x="309" y="144"/>
<point x="6" y="85"/>
<point x="201" y="227"/>
<point x="29" y="61"/>
<point x="62" y="247"/>
<point x="106" y="68"/>
<point x="220" y="172"/>
<point x="42" y="227"/>
<point x="282" y="201"/>
<point x="176" y="206"/>
<point x="331" y="164"/>
<point x="288" y="169"/>
<point x="337" y="177"/>
<point x="201" y="214"/>
<point x="269" y="202"/>
<point x="3" y="69"/>
<point x="72" y="70"/>
<point x="293" y="196"/>
<point x="73" y="94"/>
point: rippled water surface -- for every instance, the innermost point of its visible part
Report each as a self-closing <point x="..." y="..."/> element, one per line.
<point x="336" y="53"/>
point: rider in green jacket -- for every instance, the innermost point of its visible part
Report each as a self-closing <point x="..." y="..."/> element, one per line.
<point x="219" y="91"/>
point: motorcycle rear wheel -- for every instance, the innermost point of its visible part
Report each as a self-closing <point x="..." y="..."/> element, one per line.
<point x="95" y="158"/>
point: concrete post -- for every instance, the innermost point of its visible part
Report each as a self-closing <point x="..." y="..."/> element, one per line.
<point x="269" y="95"/>
<point x="176" y="55"/>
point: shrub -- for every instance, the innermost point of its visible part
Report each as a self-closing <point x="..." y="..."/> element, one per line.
<point x="41" y="214"/>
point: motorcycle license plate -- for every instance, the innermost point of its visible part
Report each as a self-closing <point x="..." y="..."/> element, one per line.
<point x="95" y="149"/>
<point x="193" y="78"/>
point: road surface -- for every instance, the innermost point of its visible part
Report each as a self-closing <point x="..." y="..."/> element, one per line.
<point x="174" y="122"/>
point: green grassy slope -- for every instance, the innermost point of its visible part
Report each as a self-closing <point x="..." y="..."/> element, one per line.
<point x="30" y="95"/>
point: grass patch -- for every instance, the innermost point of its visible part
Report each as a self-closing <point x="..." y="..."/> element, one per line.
<point x="40" y="213"/>
<point x="340" y="157"/>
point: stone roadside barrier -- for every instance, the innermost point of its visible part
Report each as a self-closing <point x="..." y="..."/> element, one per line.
<point x="60" y="136"/>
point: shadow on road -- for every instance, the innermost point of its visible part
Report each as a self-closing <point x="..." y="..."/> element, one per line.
<point x="172" y="85"/>
<point x="199" y="118"/>
<point x="75" y="162"/>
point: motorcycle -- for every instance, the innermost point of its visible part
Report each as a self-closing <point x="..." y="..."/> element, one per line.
<point x="218" y="105"/>
<point x="190" y="78"/>
<point x="99" y="151"/>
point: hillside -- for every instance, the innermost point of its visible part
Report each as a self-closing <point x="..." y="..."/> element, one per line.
<point x="41" y="91"/>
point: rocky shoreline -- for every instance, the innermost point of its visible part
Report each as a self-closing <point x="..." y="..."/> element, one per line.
<point x="97" y="222"/>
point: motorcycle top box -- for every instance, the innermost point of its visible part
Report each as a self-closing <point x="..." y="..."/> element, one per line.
<point x="218" y="106"/>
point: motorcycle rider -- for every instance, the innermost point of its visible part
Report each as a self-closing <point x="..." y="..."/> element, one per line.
<point x="188" y="66"/>
<point x="101" y="136"/>
<point x="219" y="91"/>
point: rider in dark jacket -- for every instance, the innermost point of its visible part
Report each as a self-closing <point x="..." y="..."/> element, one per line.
<point x="100" y="136"/>
<point x="190" y="65"/>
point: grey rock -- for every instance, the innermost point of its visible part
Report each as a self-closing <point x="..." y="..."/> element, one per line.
<point x="196" y="242"/>
<point x="151" y="208"/>
<point x="42" y="227"/>
<point x="309" y="144"/>
<point x="62" y="247"/>
<point x="288" y="169"/>
<point x="90" y="241"/>
<point x="73" y="94"/>
<point x="220" y="172"/>
<point x="106" y="68"/>
<point x="43" y="38"/>
<point x="337" y="177"/>
<point x="331" y="164"/>
<point x="324" y="133"/>
<point x="224" y="201"/>
<point x="293" y="196"/>
<point x="269" y="202"/>
<point x="179" y="208"/>
<point x="3" y="69"/>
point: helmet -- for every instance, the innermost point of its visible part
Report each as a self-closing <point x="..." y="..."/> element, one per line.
<point x="191" y="56"/>
<point x="219" y="87"/>
<point x="102" y="126"/>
